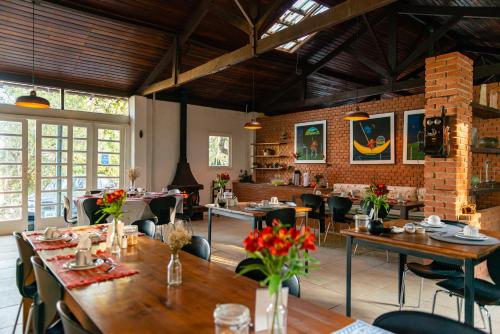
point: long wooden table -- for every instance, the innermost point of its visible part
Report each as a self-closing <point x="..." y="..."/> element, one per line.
<point x="421" y="245"/>
<point x="240" y="212"/>
<point x="143" y="303"/>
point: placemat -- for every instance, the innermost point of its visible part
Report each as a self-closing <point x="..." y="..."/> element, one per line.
<point x="68" y="242"/>
<point x="450" y="237"/>
<point x="78" y="278"/>
<point x="361" y="327"/>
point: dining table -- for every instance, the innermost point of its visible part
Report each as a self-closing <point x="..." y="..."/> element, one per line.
<point x="421" y="246"/>
<point x="144" y="303"/>
<point x="242" y="211"/>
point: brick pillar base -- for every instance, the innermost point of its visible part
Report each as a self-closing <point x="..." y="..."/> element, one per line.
<point x="448" y="83"/>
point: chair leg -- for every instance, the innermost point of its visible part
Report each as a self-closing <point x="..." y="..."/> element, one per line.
<point x="28" y="321"/>
<point x="434" y="299"/>
<point x="355" y="249"/>
<point x="17" y="316"/>
<point x="326" y="232"/>
<point x="488" y="316"/>
<point x="387" y="257"/>
<point x="420" y="292"/>
<point x="459" y="308"/>
<point x="402" y="291"/>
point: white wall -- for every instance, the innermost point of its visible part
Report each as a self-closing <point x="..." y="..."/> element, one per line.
<point x="201" y="122"/>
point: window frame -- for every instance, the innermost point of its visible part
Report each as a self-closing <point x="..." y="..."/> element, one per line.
<point x="220" y="134"/>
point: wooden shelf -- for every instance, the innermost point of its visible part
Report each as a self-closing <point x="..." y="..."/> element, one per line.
<point x="483" y="111"/>
<point x="270" y="143"/>
<point x="485" y="150"/>
<point x="267" y="168"/>
<point x="269" y="156"/>
<point x="486" y="190"/>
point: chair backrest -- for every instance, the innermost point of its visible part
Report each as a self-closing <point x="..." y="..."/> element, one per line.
<point x="493" y="264"/>
<point x="24" y="268"/>
<point x="339" y="206"/>
<point x="312" y="201"/>
<point x="285" y="215"/>
<point x="90" y="207"/>
<point x="413" y="322"/>
<point x="147" y="227"/>
<point x="67" y="210"/>
<point x="293" y="283"/>
<point x="95" y="191"/>
<point x="382" y="213"/>
<point x="162" y="208"/>
<point x="49" y="292"/>
<point x="199" y="247"/>
<point x="70" y="325"/>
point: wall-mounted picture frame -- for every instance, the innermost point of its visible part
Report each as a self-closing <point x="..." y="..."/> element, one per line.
<point x="310" y="142"/>
<point x="372" y="140"/>
<point x="413" y="137"/>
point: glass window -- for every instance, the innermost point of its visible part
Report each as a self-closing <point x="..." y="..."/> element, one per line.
<point x="219" y="151"/>
<point x="10" y="91"/>
<point x="108" y="158"/>
<point x="95" y="103"/>
<point x="299" y="11"/>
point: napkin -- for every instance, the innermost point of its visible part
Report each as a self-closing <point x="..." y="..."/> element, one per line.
<point x="84" y="242"/>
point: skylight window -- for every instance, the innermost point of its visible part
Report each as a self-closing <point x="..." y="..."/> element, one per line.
<point x="300" y="10"/>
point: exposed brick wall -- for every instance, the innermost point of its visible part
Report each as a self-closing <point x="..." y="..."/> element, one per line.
<point x="338" y="169"/>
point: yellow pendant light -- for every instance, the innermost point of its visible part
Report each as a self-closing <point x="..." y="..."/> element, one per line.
<point x="253" y="124"/>
<point x="357" y="115"/>
<point x="33" y="101"/>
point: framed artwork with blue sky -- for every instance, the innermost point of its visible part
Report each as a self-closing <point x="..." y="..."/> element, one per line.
<point x="413" y="137"/>
<point x="310" y="142"/>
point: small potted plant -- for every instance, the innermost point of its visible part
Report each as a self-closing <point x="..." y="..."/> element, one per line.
<point x="177" y="237"/>
<point x="112" y="204"/>
<point x="376" y="197"/>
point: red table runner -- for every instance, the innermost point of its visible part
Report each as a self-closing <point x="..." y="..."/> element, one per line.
<point x="79" y="278"/>
<point x="68" y="242"/>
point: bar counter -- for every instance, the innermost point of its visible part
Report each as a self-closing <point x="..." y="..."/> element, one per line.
<point x="255" y="192"/>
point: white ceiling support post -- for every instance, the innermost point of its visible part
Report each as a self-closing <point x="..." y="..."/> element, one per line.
<point x="141" y="140"/>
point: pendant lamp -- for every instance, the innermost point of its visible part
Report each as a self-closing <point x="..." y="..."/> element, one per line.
<point x="357" y="115"/>
<point x="253" y="124"/>
<point x="32" y="100"/>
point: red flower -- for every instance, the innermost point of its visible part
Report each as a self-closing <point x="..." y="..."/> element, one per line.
<point x="309" y="241"/>
<point x="109" y="198"/>
<point x="99" y="201"/>
<point x="280" y="247"/>
<point x="251" y="243"/>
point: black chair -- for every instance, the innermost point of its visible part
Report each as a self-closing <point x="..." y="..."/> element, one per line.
<point x="91" y="209"/>
<point x="485" y="293"/>
<point x="146" y="226"/>
<point x="368" y="206"/>
<point x="69" y="323"/>
<point x="339" y="208"/>
<point x="285" y="215"/>
<point x="49" y="292"/>
<point x="435" y="270"/>
<point x="24" y="270"/>
<point x="412" y="322"/>
<point x="199" y="247"/>
<point x="95" y="191"/>
<point x="187" y="210"/>
<point x="293" y="283"/>
<point x="68" y="217"/>
<point x="316" y="203"/>
<point x="162" y="208"/>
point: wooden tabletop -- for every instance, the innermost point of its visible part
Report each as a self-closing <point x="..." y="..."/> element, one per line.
<point x="392" y="203"/>
<point x="143" y="303"/>
<point x="241" y="208"/>
<point x="423" y="242"/>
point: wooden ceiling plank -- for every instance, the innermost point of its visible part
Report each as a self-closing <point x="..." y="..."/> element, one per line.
<point x="421" y="48"/>
<point x="468" y="12"/>
<point x="189" y="28"/>
<point x="231" y="18"/>
<point x="377" y="43"/>
<point x="335" y="15"/>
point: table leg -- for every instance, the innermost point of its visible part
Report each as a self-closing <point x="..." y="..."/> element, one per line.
<point x="469" y="292"/>
<point x="307" y="262"/>
<point x="404" y="213"/>
<point x="210" y="227"/>
<point x="348" y="277"/>
<point x="402" y="264"/>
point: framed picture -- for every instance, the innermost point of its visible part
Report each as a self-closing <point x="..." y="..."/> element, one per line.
<point x="413" y="137"/>
<point x="372" y="141"/>
<point x="310" y="142"/>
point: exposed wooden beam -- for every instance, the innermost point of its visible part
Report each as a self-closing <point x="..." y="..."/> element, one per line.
<point x="480" y="72"/>
<point x="189" y="28"/>
<point x="235" y="20"/>
<point x="392" y="54"/>
<point x="377" y="43"/>
<point x="483" y="50"/>
<point x="422" y="47"/>
<point x="335" y="15"/>
<point x="465" y="11"/>
<point x="339" y="76"/>
<point x="371" y="63"/>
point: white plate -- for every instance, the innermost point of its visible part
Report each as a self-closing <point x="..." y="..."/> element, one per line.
<point x="44" y="239"/>
<point x="479" y="237"/>
<point x="73" y="266"/>
<point x="440" y="225"/>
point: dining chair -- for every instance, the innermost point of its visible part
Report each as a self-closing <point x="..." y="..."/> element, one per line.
<point x="25" y="281"/>
<point x="435" y="270"/>
<point x="187" y="210"/>
<point x="199" y="247"/>
<point x="285" y="215"/>
<point x="413" y="322"/>
<point x="49" y="292"/>
<point x="69" y="322"/>
<point x="293" y="283"/>
<point x="146" y="226"/>
<point x="68" y="217"/>
<point x="95" y="191"/>
<point x="91" y="209"/>
<point x="485" y="292"/>
<point x="162" y="208"/>
<point x="339" y="208"/>
<point x="316" y="203"/>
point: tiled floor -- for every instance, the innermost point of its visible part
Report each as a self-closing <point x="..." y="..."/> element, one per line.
<point x="374" y="280"/>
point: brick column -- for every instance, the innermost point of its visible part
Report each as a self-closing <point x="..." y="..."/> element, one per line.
<point x="448" y="83"/>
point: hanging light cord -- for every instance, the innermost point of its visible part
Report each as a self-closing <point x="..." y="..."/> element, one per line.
<point x="33" y="49"/>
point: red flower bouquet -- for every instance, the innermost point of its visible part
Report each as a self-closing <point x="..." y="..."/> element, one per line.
<point x="376" y="195"/>
<point x="221" y="180"/>
<point x="112" y="204"/>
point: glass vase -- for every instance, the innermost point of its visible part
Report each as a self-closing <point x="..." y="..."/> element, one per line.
<point x="115" y="244"/>
<point x="277" y="313"/>
<point x="375" y="212"/>
<point x="174" y="270"/>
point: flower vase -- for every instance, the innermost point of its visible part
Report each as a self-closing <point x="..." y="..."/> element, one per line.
<point x="277" y="313"/>
<point x="375" y="212"/>
<point x="115" y="244"/>
<point x="174" y="272"/>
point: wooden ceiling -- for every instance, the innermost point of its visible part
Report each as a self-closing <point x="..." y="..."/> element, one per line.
<point x="113" y="46"/>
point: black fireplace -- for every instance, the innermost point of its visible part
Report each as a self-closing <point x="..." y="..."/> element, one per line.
<point x="184" y="179"/>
